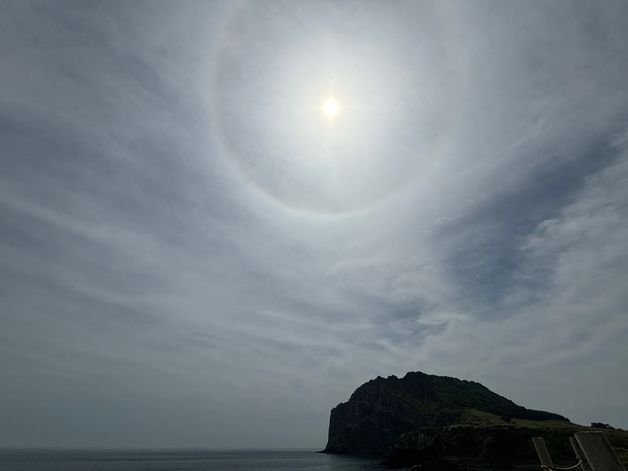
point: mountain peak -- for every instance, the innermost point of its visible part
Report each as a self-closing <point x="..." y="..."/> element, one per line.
<point x="382" y="409"/>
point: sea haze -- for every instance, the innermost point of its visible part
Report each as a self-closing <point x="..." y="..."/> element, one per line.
<point x="218" y="460"/>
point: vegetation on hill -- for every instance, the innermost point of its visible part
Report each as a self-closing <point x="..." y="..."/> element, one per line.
<point x="448" y="423"/>
<point x="437" y="394"/>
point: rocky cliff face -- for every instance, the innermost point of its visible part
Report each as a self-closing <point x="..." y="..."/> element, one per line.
<point x="383" y="409"/>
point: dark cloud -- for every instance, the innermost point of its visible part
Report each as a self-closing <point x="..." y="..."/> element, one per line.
<point x="484" y="244"/>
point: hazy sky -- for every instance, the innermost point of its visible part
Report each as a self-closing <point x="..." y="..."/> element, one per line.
<point x="192" y="255"/>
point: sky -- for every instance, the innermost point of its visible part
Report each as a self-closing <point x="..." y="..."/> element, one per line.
<point x="193" y="255"/>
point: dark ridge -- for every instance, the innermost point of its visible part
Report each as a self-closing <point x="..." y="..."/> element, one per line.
<point x="383" y="409"/>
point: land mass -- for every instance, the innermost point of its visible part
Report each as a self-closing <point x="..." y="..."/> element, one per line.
<point x="447" y="423"/>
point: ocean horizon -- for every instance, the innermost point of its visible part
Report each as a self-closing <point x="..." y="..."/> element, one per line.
<point x="41" y="459"/>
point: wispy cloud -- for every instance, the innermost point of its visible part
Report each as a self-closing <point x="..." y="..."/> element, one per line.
<point x="157" y="291"/>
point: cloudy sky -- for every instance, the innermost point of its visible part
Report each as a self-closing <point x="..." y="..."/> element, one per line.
<point x="192" y="254"/>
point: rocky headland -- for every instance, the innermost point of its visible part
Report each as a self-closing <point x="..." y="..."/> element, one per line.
<point x="446" y="423"/>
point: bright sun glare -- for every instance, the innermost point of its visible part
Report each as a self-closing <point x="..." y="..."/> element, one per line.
<point x="330" y="108"/>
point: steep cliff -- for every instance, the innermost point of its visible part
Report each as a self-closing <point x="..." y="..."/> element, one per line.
<point x="380" y="411"/>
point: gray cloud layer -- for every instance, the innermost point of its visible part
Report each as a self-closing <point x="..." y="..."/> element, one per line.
<point x="158" y="290"/>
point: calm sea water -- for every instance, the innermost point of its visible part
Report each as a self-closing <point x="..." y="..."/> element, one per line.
<point x="180" y="461"/>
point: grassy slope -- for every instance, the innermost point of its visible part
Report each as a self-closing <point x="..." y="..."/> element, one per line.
<point x="548" y="429"/>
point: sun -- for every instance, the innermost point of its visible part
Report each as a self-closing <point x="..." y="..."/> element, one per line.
<point x="330" y="108"/>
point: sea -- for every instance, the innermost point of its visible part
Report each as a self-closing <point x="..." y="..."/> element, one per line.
<point x="225" y="460"/>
